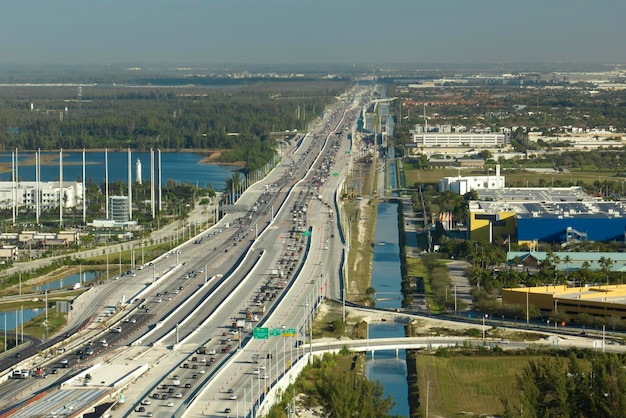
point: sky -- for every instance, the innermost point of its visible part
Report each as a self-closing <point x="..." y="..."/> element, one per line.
<point x="317" y="31"/>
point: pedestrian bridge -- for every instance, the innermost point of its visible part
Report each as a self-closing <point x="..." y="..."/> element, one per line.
<point x="400" y="343"/>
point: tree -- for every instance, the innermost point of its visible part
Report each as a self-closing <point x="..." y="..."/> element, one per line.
<point x="567" y="260"/>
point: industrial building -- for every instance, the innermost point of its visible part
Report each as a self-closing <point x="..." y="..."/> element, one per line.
<point x="575" y="260"/>
<point x="532" y="215"/>
<point x="462" y="185"/>
<point x="599" y="300"/>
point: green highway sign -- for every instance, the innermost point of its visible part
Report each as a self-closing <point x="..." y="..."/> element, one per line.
<point x="335" y="174"/>
<point x="260" y="333"/>
<point x="275" y="332"/>
<point x="289" y="332"/>
<point x="306" y="234"/>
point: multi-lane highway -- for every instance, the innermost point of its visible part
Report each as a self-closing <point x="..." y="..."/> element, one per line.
<point x="212" y="291"/>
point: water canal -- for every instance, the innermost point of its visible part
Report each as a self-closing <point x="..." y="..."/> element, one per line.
<point x="386" y="273"/>
<point x="384" y="366"/>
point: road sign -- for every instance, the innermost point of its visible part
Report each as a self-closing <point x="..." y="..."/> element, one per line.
<point x="335" y="174"/>
<point x="306" y="234"/>
<point x="275" y="332"/>
<point x="261" y="333"/>
<point x="289" y="332"/>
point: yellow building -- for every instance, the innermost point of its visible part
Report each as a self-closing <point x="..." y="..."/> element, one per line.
<point x="489" y="227"/>
<point x="594" y="300"/>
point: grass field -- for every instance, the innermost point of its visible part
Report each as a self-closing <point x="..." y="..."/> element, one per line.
<point x="473" y="384"/>
<point x="513" y="178"/>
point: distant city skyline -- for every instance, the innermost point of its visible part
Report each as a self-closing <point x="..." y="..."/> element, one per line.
<point x="303" y="31"/>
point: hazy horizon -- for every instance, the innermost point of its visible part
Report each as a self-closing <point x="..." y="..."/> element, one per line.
<point x="305" y="32"/>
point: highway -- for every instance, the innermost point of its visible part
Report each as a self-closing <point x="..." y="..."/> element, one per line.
<point x="203" y="286"/>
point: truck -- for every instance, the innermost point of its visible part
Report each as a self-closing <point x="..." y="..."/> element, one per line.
<point x="20" y="374"/>
<point x="241" y="323"/>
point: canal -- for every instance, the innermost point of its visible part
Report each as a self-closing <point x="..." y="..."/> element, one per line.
<point x="384" y="366"/>
<point x="386" y="273"/>
<point x="389" y="370"/>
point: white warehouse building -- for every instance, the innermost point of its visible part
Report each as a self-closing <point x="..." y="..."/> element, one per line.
<point x="462" y="185"/>
<point x="49" y="194"/>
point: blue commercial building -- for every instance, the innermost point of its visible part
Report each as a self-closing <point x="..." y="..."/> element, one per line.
<point x="554" y="214"/>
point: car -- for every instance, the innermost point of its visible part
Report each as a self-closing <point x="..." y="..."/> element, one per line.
<point x="232" y="396"/>
<point x="194" y="376"/>
<point x="201" y="371"/>
<point x="227" y="411"/>
<point x="54" y="371"/>
<point x="178" y="395"/>
<point x="155" y="396"/>
<point x="64" y="361"/>
<point x="170" y="404"/>
<point x="164" y="396"/>
<point x="256" y="371"/>
<point x="187" y="385"/>
<point x="149" y="414"/>
<point x="118" y="330"/>
<point x="231" y="390"/>
<point x="170" y="390"/>
<point x="146" y="402"/>
<point x="141" y="409"/>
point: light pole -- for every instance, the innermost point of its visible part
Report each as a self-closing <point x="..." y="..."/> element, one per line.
<point x="153" y="276"/>
<point x="484" y="317"/>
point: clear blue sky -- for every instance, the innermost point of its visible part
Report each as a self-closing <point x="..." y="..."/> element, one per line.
<point x="304" y="31"/>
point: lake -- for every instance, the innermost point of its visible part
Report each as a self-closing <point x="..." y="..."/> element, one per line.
<point x="178" y="166"/>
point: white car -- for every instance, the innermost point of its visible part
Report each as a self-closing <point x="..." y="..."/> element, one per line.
<point x="170" y="403"/>
<point x="232" y="396"/>
<point x="178" y="395"/>
<point x="145" y="402"/>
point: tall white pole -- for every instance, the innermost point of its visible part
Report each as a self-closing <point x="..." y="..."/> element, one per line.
<point x="130" y="187"/>
<point x="152" y="181"/>
<point x="84" y="192"/>
<point x="61" y="188"/>
<point x="13" y="185"/>
<point x="160" y="180"/>
<point x="106" y="183"/>
<point x="17" y="183"/>
<point x="37" y="180"/>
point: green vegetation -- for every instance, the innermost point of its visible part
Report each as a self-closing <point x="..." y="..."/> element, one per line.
<point x="585" y="384"/>
<point x="336" y="385"/>
<point x="361" y="248"/>
<point x="330" y="323"/>
<point x="468" y="385"/>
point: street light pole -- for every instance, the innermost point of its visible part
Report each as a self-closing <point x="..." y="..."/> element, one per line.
<point x="484" y="317"/>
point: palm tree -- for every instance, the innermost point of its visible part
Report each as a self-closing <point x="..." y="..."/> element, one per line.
<point x="567" y="260"/>
<point x="606" y="264"/>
